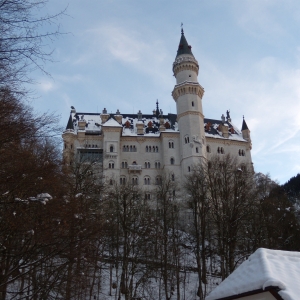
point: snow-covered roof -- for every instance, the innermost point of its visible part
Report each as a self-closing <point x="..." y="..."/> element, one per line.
<point x="212" y="130"/>
<point x="111" y="123"/>
<point x="264" y="268"/>
<point x="152" y="123"/>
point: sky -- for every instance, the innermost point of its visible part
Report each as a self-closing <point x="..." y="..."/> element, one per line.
<point x="118" y="54"/>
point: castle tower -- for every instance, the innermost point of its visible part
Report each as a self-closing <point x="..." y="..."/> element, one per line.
<point x="188" y="95"/>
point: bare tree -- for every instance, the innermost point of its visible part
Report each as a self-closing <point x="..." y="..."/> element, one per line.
<point x="232" y="194"/>
<point x="24" y="40"/>
<point x="199" y="204"/>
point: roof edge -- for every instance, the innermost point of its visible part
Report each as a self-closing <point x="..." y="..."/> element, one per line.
<point x="272" y="289"/>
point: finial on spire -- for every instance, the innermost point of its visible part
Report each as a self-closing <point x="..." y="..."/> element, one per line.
<point x="182" y="28"/>
<point x="157" y="109"/>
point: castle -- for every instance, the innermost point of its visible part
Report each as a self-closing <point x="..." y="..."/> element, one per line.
<point x="135" y="148"/>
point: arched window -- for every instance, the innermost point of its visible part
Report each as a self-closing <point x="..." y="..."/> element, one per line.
<point x="197" y="150"/>
<point x="111" y="165"/>
<point x="222" y="150"/>
<point x="130" y="148"/>
<point x="171" y="144"/>
<point x="149" y="148"/>
<point x="134" y="181"/>
<point x="111" y="148"/>
<point x="147" y="196"/>
<point x="111" y="182"/>
<point x="127" y="148"/>
<point x="186" y="139"/>
<point x="189" y="169"/>
<point x="219" y="150"/>
<point x="124" y="148"/>
<point x="173" y="177"/>
<point x="147" y="180"/>
<point x="134" y="148"/>
<point x="208" y="149"/>
<point x="158" y="180"/>
<point x="65" y="146"/>
<point x="172" y="161"/>
<point x="146" y="148"/>
<point x="123" y="165"/>
<point x="192" y="103"/>
<point x="122" y="180"/>
<point x="156" y="149"/>
<point x="134" y="163"/>
<point x="241" y="152"/>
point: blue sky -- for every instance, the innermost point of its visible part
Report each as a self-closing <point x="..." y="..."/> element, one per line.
<point x="119" y="55"/>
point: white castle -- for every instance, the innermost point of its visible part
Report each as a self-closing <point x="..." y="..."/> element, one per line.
<point x="136" y="148"/>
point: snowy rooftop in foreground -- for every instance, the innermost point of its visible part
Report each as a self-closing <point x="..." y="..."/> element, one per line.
<point x="263" y="269"/>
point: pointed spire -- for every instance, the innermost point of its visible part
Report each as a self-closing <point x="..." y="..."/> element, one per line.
<point x="157" y="109"/>
<point x="70" y="123"/>
<point x="244" y="126"/>
<point x="184" y="47"/>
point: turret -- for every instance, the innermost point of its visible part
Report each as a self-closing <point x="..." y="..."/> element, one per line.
<point x="246" y="131"/>
<point x="188" y="95"/>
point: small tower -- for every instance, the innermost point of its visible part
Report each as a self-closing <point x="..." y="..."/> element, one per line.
<point x="188" y="95"/>
<point x="246" y="131"/>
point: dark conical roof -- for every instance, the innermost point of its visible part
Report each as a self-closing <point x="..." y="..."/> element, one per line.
<point x="244" y="126"/>
<point x="184" y="47"/>
<point x="70" y="123"/>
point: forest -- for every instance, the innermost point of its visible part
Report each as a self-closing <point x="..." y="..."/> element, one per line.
<point x="65" y="234"/>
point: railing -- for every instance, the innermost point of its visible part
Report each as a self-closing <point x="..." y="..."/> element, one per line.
<point x="134" y="168"/>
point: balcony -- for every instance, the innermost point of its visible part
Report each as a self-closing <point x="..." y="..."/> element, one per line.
<point x="134" y="169"/>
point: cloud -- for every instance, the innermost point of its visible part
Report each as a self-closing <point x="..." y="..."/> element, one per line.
<point x="267" y="92"/>
<point x="257" y="18"/>
<point x="46" y="85"/>
<point x="144" y="53"/>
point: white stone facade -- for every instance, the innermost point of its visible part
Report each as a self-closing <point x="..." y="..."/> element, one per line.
<point x="136" y="148"/>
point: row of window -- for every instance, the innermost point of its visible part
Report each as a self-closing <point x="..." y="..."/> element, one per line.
<point x="151" y="149"/>
<point x="147" y="180"/>
<point x="124" y="165"/>
<point x="220" y="150"/>
<point x="129" y="148"/>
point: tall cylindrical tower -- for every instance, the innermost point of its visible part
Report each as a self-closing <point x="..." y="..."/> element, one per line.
<point x="188" y="95"/>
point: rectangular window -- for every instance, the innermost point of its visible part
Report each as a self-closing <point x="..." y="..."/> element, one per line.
<point x="90" y="155"/>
